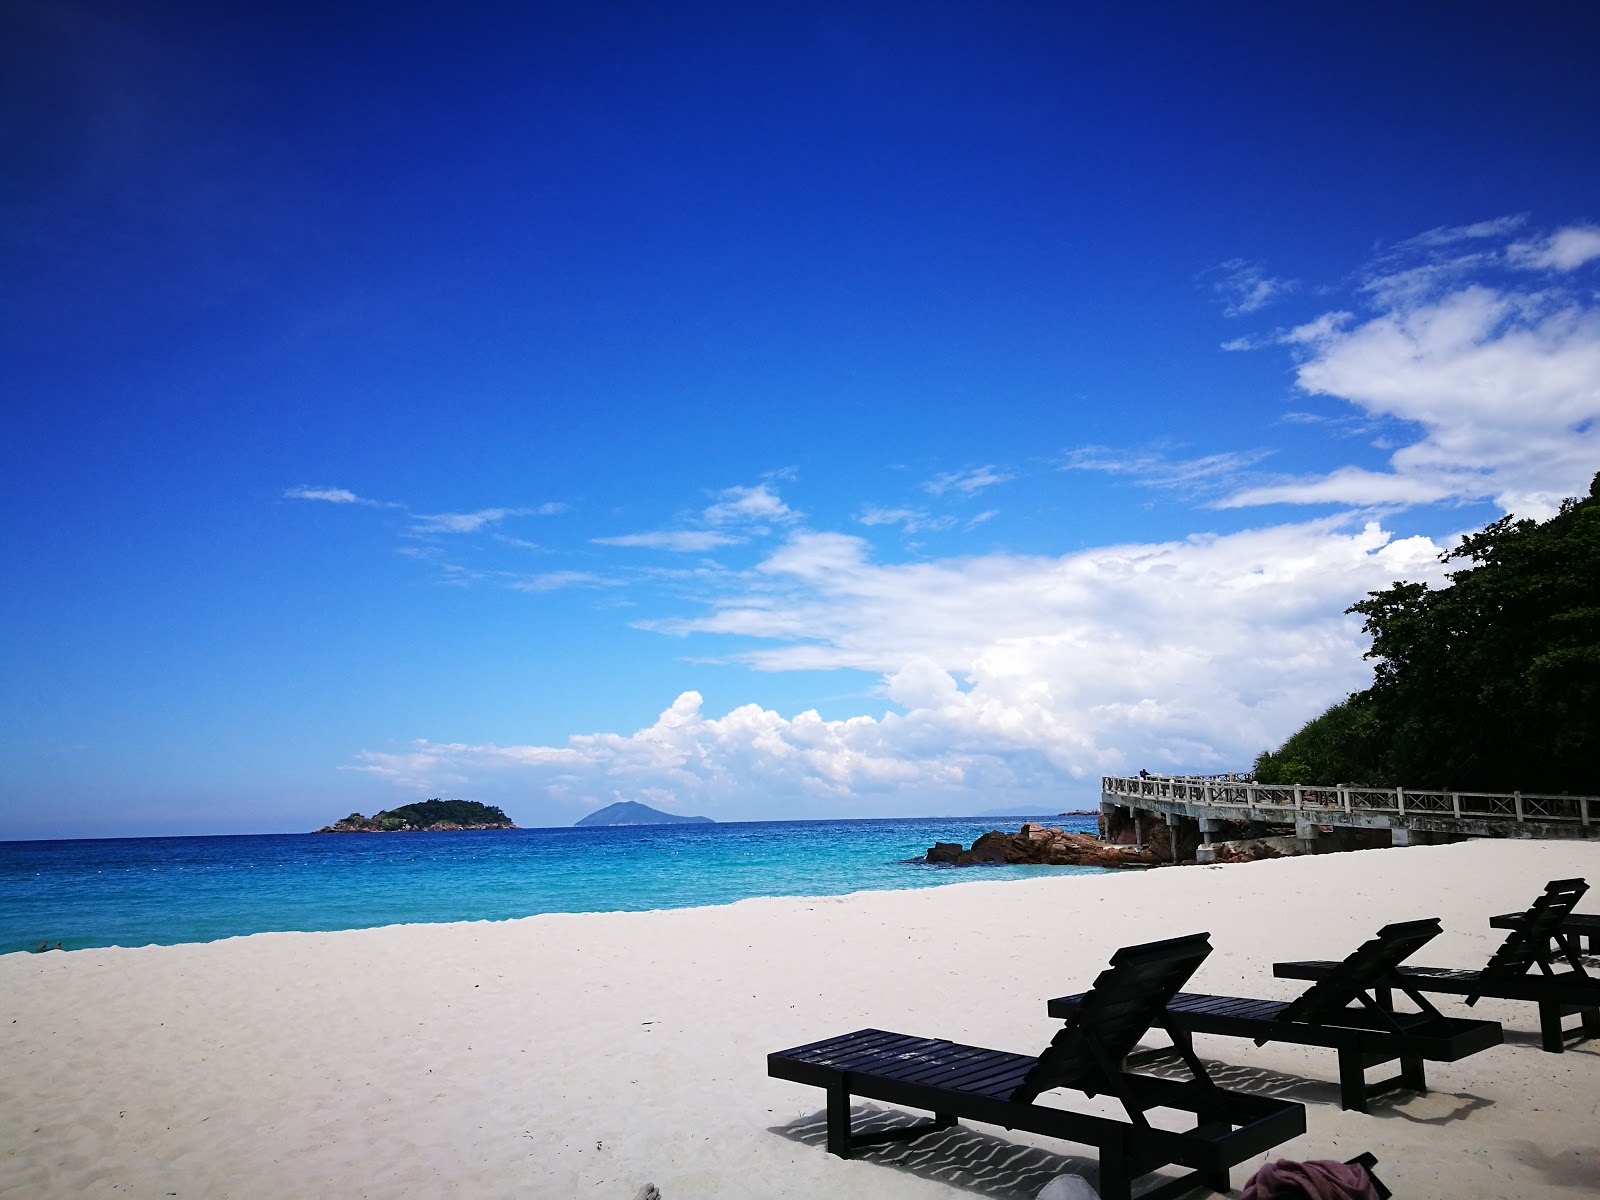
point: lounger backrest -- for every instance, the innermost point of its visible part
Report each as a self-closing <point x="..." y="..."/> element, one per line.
<point x="1530" y="940"/>
<point x="1127" y="998"/>
<point x="1368" y="967"/>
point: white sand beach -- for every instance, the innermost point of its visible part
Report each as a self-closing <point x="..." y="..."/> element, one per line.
<point x="582" y="1056"/>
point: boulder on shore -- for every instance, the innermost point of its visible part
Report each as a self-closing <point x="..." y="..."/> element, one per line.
<point x="1037" y="845"/>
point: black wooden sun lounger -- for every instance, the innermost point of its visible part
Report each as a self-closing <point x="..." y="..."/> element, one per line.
<point x="998" y="1088"/>
<point x="1341" y="1012"/>
<point x="1537" y="941"/>
<point x="1585" y="926"/>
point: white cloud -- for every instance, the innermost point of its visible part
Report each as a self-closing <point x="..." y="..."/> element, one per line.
<point x="1347" y="485"/>
<point x="968" y="482"/>
<point x="1565" y="250"/>
<point x="1154" y="469"/>
<point x="739" y="505"/>
<point x="1395" y="287"/>
<point x="911" y="520"/>
<point x="1498" y="389"/>
<point x="470" y="522"/>
<point x="752" y="509"/>
<point x="682" y="541"/>
<point x="333" y="495"/>
<point x="688" y="762"/>
<point x="551" y="581"/>
<point x="1449" y="235"/>
<point x="1015" y="675"/>
<point x="1245" y="287"/>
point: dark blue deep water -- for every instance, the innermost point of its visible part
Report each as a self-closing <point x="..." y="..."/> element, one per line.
<point x="138" y="891"/>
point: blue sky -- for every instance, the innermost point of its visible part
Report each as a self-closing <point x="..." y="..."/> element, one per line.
<point x="756" y="410"/>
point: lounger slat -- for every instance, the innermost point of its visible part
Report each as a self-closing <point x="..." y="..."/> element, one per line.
<point x="948" y="1068"/>
<point x="1014" y="1070"/>
<point x="838" y="1055"/>
<point x="1264" y="1010"/>
<point x="858" y="1039"/>
<point x="884" y="1057"/>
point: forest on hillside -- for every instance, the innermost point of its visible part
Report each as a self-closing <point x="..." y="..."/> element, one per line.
<point x="1491" y="683"/>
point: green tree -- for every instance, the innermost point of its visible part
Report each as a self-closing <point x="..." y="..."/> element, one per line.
<point x="1343" y="745"/>
<point x="1491" y="683"/>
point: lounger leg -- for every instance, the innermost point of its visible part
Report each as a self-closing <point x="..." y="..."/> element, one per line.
<point x="1413" y="1074"/>
<point x="839" y="1119"/>
<point x="1550" y="1026"/>
<point x="1115" y="1182"/>
<point x="1591" y="1022"/>
<point x="1352" y="1080"/>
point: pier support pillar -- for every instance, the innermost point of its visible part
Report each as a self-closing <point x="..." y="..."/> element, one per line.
<point x="1209" y="828"/>
<point x="1404" y="835"/>
<point x="1308" y="835"/>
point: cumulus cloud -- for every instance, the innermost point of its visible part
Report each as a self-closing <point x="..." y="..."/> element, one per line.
<point x="968" y="482"/>
<point x="687" y="761"/>
<point x="1012" y="675"/>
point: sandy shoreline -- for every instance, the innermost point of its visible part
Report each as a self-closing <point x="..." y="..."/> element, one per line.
<point x="583" y="1055"/>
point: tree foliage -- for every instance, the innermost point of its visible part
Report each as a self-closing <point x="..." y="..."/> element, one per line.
<point x="432" y="812"/>
<point x="1489" y="684"/>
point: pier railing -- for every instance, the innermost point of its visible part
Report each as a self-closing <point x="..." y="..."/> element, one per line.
<point x="1308" y="802"/>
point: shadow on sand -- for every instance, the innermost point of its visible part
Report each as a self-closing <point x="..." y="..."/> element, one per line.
<point x="1435" y="1108"/>
<point x="959" y="1157"/>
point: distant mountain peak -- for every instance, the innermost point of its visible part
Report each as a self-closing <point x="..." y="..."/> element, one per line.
<point x="631" y="812"/>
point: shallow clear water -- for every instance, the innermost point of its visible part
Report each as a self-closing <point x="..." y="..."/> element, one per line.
<point x="138" y="891"/>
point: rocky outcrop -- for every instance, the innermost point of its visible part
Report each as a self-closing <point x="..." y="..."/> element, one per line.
<point x="1237" y="852"/>
<point x="1038" y="845"/>
<point x="355" y="823"/>
<point x="1041" y="846"/>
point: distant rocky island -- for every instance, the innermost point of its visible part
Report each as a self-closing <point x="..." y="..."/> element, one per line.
<point x="631" y="812"/>
<point x="426" y="816"/>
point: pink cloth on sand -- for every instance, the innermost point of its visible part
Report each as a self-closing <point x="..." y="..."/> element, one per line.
<point x="1323" y="1179"/>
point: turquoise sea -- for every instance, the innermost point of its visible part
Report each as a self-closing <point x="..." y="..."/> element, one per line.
<point x="139" y="891"/>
